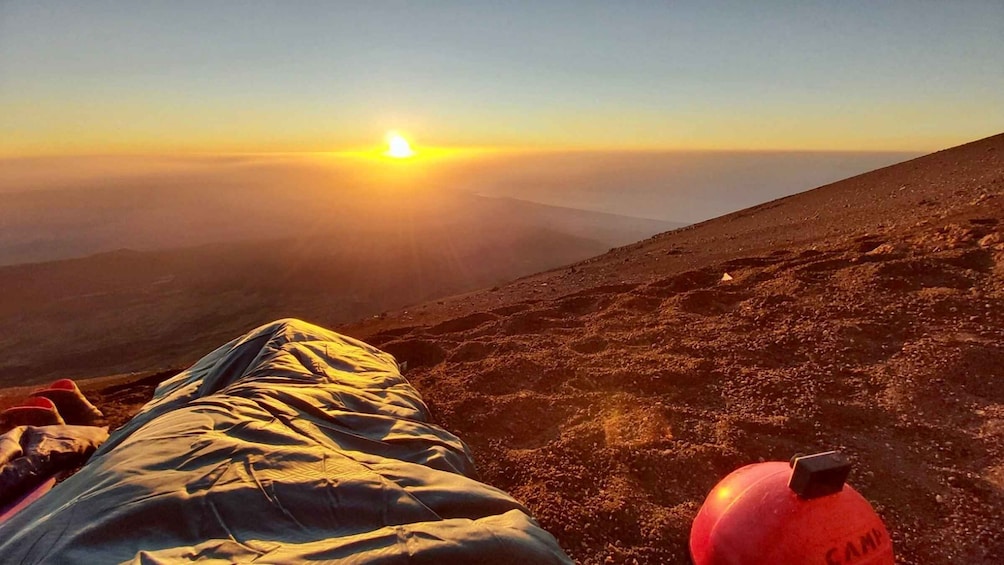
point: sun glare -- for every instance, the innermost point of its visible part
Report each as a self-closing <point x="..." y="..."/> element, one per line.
<point x="398" y="147"/>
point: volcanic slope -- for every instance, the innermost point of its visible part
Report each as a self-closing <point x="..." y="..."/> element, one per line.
<point x="865" y="316"/>
<point x="610" y="396"/>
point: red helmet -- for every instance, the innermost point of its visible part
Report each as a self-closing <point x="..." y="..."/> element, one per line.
<point x="780" y="513"/>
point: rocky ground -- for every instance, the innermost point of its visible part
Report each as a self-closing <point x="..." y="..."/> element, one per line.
<point x="614" y="410"/>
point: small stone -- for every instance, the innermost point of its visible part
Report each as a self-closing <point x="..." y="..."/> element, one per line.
<point x="884" y="249"/>
<point x="990" y="240"/>
<point x="939" y="499"/>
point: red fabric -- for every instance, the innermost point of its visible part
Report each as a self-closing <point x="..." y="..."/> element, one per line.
<point x="29" y="497"/>
<point x="37" y="402"/>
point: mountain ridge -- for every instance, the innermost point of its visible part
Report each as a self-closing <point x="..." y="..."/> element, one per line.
<point x="683" y="243"/>
<point x="864" y="316"/>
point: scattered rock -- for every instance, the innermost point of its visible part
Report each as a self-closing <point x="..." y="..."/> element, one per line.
<point x="885" y="249"/>
<point x="990" y="240"/>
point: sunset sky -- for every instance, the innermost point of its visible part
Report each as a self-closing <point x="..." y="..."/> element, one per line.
<point x="226" y="76"/>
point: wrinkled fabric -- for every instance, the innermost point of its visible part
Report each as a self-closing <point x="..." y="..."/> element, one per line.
<point x="29" y="455"/>
<point x="289" y="444"/>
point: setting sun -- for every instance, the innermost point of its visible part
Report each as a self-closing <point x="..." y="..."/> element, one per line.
<point x="398" y="147"/>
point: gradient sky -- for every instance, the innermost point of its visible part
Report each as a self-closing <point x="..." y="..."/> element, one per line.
<point x="228" y="76"/>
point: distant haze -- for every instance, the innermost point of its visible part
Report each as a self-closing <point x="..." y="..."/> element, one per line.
<point x="674" y="186"/>
<point x="677" y="186"/>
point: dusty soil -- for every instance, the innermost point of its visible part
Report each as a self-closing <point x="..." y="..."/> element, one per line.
<point x="865" y="316"/>
<point x="613" y="411"/>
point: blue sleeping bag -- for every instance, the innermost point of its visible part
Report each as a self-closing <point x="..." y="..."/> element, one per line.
<point x="290" y="444"/>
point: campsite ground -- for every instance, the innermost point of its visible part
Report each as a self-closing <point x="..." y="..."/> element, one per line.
<point x="611" y="395"/>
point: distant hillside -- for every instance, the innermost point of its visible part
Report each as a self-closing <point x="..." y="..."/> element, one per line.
<point x="130" y="310"/>
<point x="152" y="214"/>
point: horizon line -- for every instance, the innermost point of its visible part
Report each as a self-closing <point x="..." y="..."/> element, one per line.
<point x="425" y="152"/>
